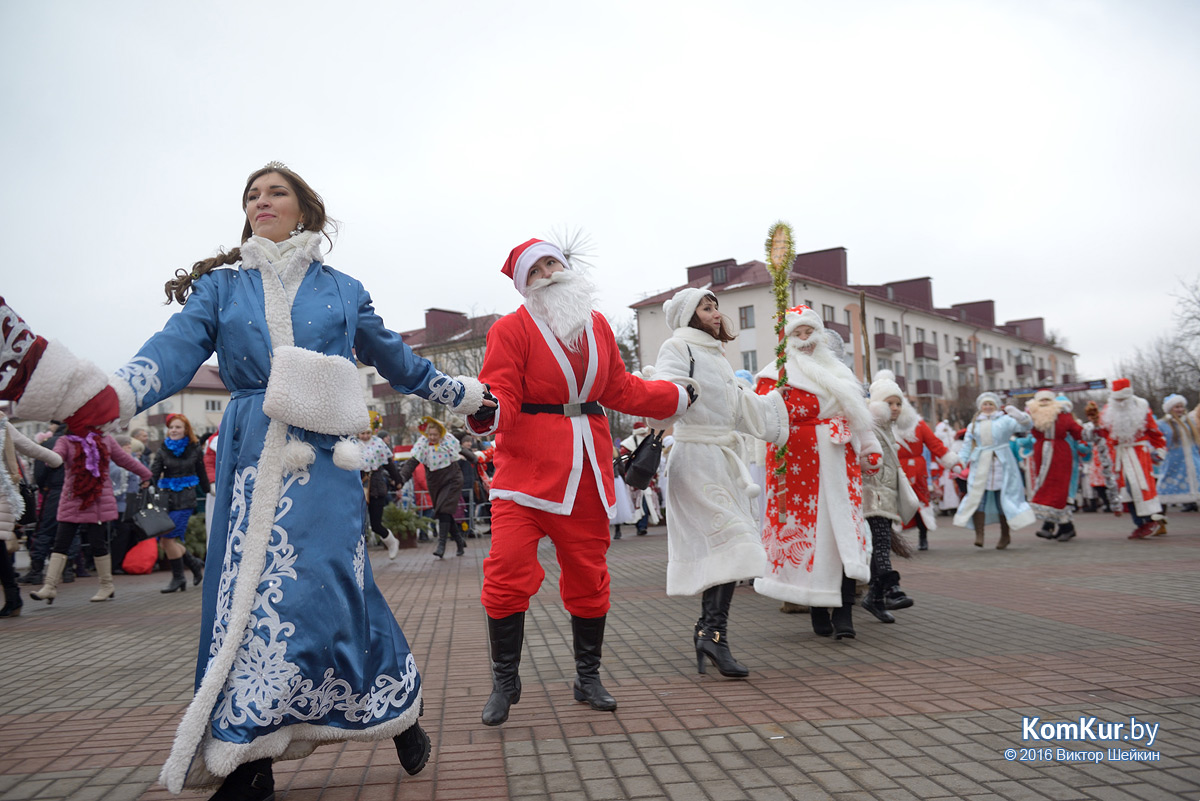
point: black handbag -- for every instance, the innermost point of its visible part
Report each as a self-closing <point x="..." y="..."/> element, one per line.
<point x="151" y="520"/>
<point x="29" y="496"/>
<point x="640" y="467"/>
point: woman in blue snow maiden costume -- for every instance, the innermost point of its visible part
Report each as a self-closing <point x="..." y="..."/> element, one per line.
<point x="276" y="674"/>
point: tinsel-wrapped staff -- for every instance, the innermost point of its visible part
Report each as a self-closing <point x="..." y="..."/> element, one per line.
<point x="781" y="252"/>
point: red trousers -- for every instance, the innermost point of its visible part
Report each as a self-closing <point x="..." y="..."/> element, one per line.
<point x="512" y="574"/>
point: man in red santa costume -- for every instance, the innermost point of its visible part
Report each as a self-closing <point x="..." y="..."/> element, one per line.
<point x="1051" y="465"/>
<point x="1137" y="445"/>
<point x="817" y="539"/>
<point x="913" y="436"/>
<point x="552" y="365"/>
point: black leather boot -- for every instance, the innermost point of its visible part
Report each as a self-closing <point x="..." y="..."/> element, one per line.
<point x="251" y="781"/>
<point x="893" y="597"/>
<point x="443" y="532"/>
<point x="413" y="749"/>
<point x="505" y="636"/>
<point x="196" y="565"/>
<point x="459" y="540"/>
<point x="711" y="641"/>
<point x="1066" y="532"/>
<point x="1046" y="532"/>
<point x="178" y="582"/>
<point x="589" y="641"/>
<point x="820" y="621"/>
<point x="843" y="616"/>
<point x="873" y="603"/>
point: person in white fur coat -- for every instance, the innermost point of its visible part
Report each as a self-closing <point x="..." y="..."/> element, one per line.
<point x="818" y="542"/>
<point x="12" y="505"/>
<point x="713" y="537"/>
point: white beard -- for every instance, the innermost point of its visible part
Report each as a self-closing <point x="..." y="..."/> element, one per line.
<point x="821" y="368"/>
<point x="1044" y="415"/>
<point x="564" y="301"/>
<point x="1125" y="419"/>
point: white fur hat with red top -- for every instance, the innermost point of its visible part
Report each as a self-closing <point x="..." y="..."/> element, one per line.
<point x="522" y="258"/>
<point x="1121" y="388"/>
<point x="801" y="315"/>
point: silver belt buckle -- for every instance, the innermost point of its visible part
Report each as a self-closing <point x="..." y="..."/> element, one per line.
<point x="572" y="409"/>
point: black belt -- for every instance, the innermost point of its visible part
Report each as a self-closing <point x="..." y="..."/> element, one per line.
<point x="566" y="409"/>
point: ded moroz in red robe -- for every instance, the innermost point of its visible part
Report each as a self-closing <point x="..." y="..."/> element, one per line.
<point x="1050" y="468"/>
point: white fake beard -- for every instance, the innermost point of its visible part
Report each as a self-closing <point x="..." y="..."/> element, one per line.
<point x="1124" y="419"/>
<point x="1044" y="415"/>
<point x="815" y="361"/>
<point x="564" y="301"/>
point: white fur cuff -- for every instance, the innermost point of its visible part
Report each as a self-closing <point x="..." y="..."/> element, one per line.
<point x="61" y="383"/>
<point x="315" y="392"/>
<point x="472" y="397"/>
<point x="127" y="403"/>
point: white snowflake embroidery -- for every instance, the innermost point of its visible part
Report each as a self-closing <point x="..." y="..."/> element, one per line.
<point x="360" y="562"/>
<point x="443" y="389"/>
<point x="142" y="376"/>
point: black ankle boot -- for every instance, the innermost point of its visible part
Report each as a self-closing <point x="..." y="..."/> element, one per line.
<point x="196" y="565"/>
<point x="1066" y="532"/>
<point x="1046" y="532"/>
<point x="505" y="636"/>
<point x="178" y="582"/>
<point x="843" y="616"/>
<point x="252" y="781"/>
<point x="589" y="640"/>
<point x="710" y="639"/>
<point x="873" y="603"/>
<point x="893" y="597"/>
<point x="413" y="748"/>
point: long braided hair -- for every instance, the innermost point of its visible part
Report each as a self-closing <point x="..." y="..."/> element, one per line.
<point x="312" y="215"/>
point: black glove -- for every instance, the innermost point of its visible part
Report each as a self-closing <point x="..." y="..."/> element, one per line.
<point x="691" y="393"/>
<point x="485" y="413"/>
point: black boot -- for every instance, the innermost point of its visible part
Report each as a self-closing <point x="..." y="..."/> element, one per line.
<point x="843" y="616"/>
<point x="711" y="642"/>
<point x="923" y="540"/>
<point x="1066" y="532"/>
<point x="893" y="597"/>
<point x="1046" y="532"/>
<point x="413" y="748"/>
<point x="459" y="540"/>
<point x="178" y="582"/>
<point x="589" y="640"/>
<point x="820" y="621"/>
<point x="36" y="574"/>
<point x="12" y="600"/>
<point x="505" y="636"/>
<point x="196" y="565"/>
<point x="443" y="532"/>
<point x="252" y="781"/>
<point x="873" y="603"/>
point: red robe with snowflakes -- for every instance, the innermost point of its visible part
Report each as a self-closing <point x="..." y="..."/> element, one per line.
<point x="823" y="532"/>
<point x="1134" y="464"/>
<point x="1050" y="468"/>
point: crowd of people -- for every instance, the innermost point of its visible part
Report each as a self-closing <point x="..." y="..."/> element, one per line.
<point x="801" y="480"/>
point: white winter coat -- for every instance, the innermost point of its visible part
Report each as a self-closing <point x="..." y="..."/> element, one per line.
<point x="713" y="534"/>
<point x="11" y="505"/>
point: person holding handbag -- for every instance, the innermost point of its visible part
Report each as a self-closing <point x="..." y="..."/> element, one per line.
<point x="13" y="505"/>
<point x="178" y="469"/>
<point x="87" y="503"/>
<point x="713" y="537"/>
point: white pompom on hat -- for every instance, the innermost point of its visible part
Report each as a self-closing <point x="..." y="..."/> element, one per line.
<point x="801" y="315"/>
<point x="1173" y="400"/>
<point x="884" y="386"/>
<point x="680" y="308"/>
<point x="522" y="258"/>
<point x="988" y="396"/>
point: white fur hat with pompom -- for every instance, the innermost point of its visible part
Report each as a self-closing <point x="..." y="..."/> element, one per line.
<point x="885" y="386"/>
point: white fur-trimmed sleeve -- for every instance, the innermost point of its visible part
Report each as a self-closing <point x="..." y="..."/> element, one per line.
<point x="126" y="402"/>
<point x="61" y="383"/>
<point x="472" y="398"/>
<point x="31" y="449"/>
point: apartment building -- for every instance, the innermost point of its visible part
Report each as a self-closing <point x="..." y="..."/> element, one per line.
<point x="942" y="356"/>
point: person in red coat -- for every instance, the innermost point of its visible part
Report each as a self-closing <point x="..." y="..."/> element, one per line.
<point x="913" y="436"/>
<point x="1137" y="445"/>
<point x="552" y="365"/>
<point x="1051" y="465"/>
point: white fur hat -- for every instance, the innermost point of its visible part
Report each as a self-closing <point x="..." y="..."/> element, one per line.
<point x="1043" y="394"/>
<point x="884" y="386"/>
<point x="988" y="396"/>
<point x="680" y="308"/>
<point x="801" y="315"/>
<point x="1173" y="400"/>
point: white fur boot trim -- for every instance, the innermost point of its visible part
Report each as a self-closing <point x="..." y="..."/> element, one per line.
<point x="61" y="383"/>
<point x="348" y="454"/>
<point x="472" y="397"/>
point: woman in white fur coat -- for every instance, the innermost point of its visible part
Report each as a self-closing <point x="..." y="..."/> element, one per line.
<point x="12" y="506"/>
<point x="713" y="535"/>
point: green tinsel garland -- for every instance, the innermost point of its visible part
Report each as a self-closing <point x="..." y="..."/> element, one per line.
<point x="781" y="252"/>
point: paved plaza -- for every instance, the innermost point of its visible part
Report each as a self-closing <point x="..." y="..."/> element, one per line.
<point x="926" y="708"/>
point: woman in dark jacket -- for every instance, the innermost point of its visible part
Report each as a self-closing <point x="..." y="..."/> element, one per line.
<point x="178" y="469"/>
<point x="440" y="452"/>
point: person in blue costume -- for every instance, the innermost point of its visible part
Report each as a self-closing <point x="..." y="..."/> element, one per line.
<point x="994" y="489"/>
<point x="277" y="674"/>
<point x="1179" y="477"/>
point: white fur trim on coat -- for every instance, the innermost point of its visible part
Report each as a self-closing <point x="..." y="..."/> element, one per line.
<point x="472" y="398"/>
<point x="61" y="383"/>
<point x="348" y="454"/>
<point x="315" y="392"/>
<point x="127" y="403"/>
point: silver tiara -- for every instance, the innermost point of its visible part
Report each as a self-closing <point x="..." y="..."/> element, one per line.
<point x="275" y="165"/>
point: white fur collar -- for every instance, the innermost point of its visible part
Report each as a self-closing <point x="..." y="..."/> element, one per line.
<point x="258" y="252"/>
<point x="694" y="336"/>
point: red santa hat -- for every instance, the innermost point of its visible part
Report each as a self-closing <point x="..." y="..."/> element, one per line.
<point x="1121" y="389"/>
<point x="801" y="315"/>
<point x="522" y="258"/>
<point x="639" y="425"/>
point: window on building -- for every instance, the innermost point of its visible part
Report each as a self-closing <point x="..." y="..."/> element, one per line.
<point x="1041" y="363"/>
<point x="885" y="364"/>
<point x="908" y="371"/>
<point x="908" y="335"/>
<point x="718" y="275"/>
<point x="946" y="337"/>
<point x="991" y="382"/>
<point x="828" y="313"/>
<point x="920" y="334"/>
<point x="880" y="327"/>
<point x="745" y="317"/>
<point x="212" y="406"/>
<point x="949" y="378"/>
<point x="895" y="328"/>
<point x="750" y="360"/>
<point x="958" y="346"/>
<point x="808" y="302"/>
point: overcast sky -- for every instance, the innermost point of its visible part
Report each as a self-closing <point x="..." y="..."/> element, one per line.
<point x="1041" y="152"/>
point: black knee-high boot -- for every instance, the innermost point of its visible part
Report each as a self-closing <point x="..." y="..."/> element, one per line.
<point x="843" y="616"/>
<point x="505" y="636"/>
<point x="589" y="638"/>
<point x="443" y="532"/>
<point x="456" y="532"/>
<point x="196" y="565"/>
<point x="711" y="641"/>
<point x="178" y="582"/>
